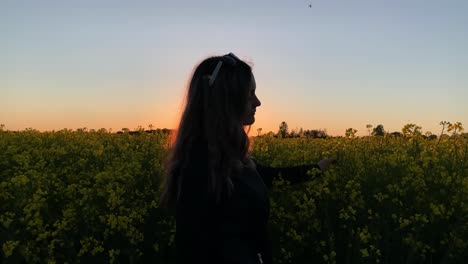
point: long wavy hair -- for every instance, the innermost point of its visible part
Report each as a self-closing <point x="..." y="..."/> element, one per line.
<point x="211" y="125"/>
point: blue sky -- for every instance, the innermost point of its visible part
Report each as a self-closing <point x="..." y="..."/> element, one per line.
<point x="334" y="65"/>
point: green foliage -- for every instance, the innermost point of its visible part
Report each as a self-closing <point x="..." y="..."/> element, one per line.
<point x="454" y="128"/>
<point x="378" y="131"/>
<point x="283" y="130"/>
<point x="387" y="200"/>
<point x="411" y="130"/>
<point x="81" y="196"/>
<point x="76" y="197"/>
<point x="350" y="133"/>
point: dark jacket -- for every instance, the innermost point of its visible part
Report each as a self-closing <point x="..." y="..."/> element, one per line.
<point x="234" y="231"/>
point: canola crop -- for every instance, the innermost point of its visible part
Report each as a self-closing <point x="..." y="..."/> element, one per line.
<point x="93" y="196"/>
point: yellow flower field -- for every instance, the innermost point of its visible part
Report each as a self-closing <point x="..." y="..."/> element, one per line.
<point x="79" y="196"/>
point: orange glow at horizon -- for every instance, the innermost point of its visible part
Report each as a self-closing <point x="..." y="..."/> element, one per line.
<point x="170" y="120"/>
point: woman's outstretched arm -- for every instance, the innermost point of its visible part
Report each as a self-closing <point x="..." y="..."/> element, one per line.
<point x="294" y="174"/>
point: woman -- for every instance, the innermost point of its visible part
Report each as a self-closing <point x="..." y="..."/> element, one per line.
<point x="220" y="194"/>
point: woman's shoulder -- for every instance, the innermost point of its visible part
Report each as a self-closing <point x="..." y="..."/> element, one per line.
<point x="250" y="162"/>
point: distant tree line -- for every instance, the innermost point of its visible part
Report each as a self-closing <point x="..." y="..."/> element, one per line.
<point x="411" y="130"/>
<point x="283" y="132"/>
<point x="140" y="130"/>
<point x="408" y="130"/>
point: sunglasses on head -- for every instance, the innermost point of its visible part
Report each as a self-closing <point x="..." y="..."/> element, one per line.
<point x="230" y="58"/>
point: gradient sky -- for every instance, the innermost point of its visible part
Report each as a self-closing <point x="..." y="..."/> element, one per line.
<point x="338" y="64"/>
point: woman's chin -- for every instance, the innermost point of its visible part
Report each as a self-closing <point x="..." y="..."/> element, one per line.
<point x="249" y="121"/>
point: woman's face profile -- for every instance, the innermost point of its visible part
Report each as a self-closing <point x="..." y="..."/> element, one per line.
<point x="252" y="103"/>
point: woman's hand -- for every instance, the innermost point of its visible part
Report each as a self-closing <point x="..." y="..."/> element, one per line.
<point x="325" y="164"/>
